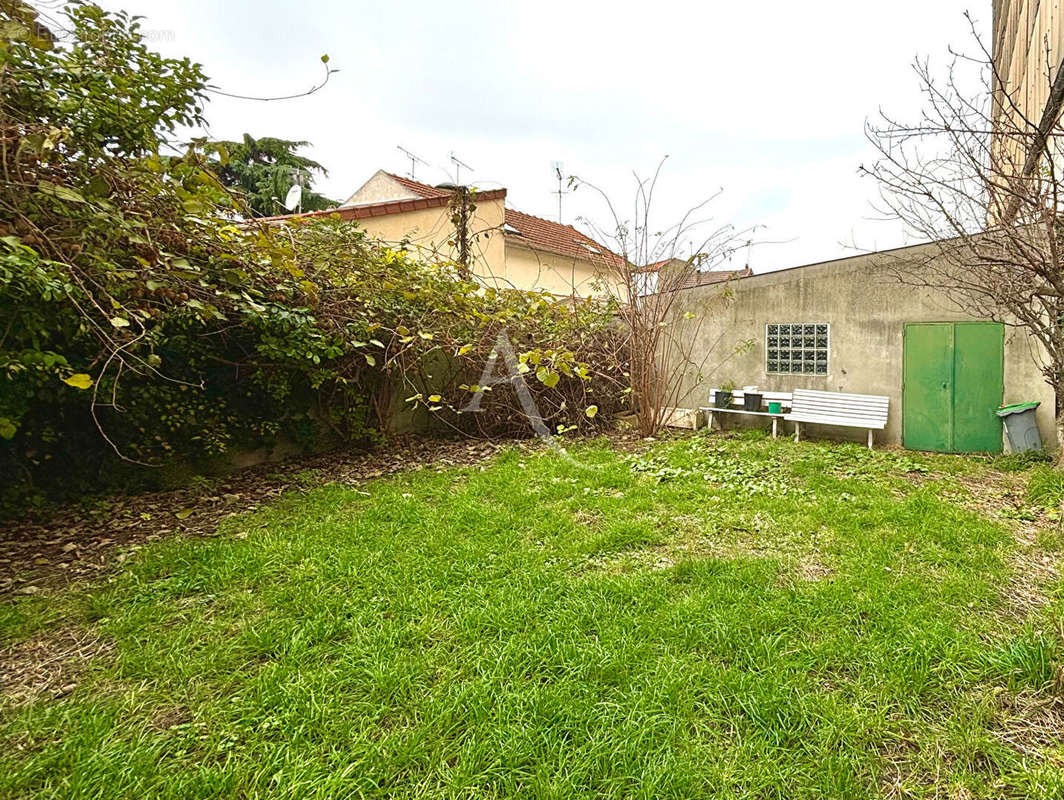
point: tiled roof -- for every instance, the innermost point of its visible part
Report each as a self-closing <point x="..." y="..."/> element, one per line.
<point x="537" y="233"/>
<point x="655" y="266"/>
<point x="534" y="232"/>
<point x="695" y="278"/>
<point x="383" y="208"/>
<point x="418" y="188"/>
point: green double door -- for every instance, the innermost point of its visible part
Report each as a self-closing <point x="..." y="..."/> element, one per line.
<point x="953" y="380"/>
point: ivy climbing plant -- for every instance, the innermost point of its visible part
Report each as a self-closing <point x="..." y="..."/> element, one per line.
<point x="147" y="319"/>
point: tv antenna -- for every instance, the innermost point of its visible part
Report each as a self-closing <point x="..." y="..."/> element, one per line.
<point x="557" y="167"/>
<point x="414" y="160"/>
<point x="458" y="164"/>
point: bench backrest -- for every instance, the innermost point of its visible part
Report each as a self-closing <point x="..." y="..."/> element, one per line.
<point x="783" y="398"/>
<point x="854" y="410"/>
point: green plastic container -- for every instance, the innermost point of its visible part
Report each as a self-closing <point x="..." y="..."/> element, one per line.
<point x="1015" y="408"/>
<point x="775" y="408"/>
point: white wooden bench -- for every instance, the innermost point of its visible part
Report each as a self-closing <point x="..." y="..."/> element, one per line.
<point x="835" y="408"/>
<point x="783" y="398"/>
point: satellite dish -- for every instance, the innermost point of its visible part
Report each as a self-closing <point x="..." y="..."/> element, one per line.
<point x="294" y="197"/>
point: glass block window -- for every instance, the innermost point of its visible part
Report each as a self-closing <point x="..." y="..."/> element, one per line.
<point x="797" y="348"/>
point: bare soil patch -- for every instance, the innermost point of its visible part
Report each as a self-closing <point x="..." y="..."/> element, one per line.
<point x="47" y="665"/>
<point x="1031" y="723"/>
<point x="698" y="539"/>
<point x="1002" y="496"/>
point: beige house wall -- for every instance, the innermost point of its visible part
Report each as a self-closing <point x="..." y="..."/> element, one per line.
<point x="867" y="309"/>
<point x="498" y="261"/>
<point x="431" y="233"/>
<point x="558" y="274"/>
<point x="380" y="188"/>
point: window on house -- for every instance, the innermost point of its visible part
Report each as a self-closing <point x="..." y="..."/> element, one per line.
<point x="797" y="348"/>
<point x="644" y="283"/>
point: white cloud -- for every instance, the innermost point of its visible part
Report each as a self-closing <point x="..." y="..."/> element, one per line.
<point x="766" y="99"/>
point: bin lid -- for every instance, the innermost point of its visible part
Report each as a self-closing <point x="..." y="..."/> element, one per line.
<point x="1016" y="408"/>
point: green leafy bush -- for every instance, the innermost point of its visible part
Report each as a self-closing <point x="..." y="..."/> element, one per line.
<point x="143" y="323"/>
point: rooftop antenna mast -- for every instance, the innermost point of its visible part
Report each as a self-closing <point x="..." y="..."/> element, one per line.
<point x="557" y="167"/>
<point x="458" y="164"/>
<point x="414" y="160"/>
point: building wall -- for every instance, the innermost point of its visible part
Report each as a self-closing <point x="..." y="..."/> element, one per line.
<point x="431" y="233"/>
<point x="1028" y="42"/>
<point x="867" y="309"/>
<point x="380" y="187"/>
<point x="496" y="263"/>
<point x="562" y="275"/>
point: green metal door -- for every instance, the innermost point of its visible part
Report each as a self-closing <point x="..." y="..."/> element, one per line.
<point x="927" y="387"/>
<point x="978" y="386"/>
<point x="953" y="375"/>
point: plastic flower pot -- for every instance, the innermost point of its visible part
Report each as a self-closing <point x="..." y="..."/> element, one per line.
<point x="752" y="401"/>
<point x="722" y="399"/>
<point x="775" y="408"/>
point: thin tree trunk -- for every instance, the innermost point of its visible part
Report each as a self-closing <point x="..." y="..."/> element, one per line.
<point x="1059" y="444"/>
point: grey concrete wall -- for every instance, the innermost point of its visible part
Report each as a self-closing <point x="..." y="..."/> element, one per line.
<point x="867" y="309"/>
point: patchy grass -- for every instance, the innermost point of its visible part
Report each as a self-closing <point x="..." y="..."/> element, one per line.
<point x="1046" y="487"/>
<point x="729" y="617"/>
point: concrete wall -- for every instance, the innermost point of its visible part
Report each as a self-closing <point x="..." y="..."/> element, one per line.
<point x="867" y="309"/>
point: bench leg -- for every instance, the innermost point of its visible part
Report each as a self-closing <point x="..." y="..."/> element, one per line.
<point x="709" y="422"/>
<point x="869" y="438"/>
<point x="797" y="431"/>
<point x="774" y="420"/>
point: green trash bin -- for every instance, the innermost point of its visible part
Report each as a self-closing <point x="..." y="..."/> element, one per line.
<point x="1020" y="426"/>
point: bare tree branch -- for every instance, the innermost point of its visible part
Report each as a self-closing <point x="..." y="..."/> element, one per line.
<point x="977" y="178"/>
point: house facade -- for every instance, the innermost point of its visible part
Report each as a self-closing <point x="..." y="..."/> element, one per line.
<point x="851" y="326"/>
<point x="510" y="249"/>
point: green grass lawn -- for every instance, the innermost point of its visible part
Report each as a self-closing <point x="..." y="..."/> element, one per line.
<point x="713" y="617"/>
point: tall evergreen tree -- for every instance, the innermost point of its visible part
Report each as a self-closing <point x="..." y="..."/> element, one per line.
<point x="264" y="169"/>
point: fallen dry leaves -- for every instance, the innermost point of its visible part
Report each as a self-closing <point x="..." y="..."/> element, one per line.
<point x="84" y="543"/>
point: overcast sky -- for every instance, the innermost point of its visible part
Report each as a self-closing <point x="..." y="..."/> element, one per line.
<point x="765" y="99"/>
